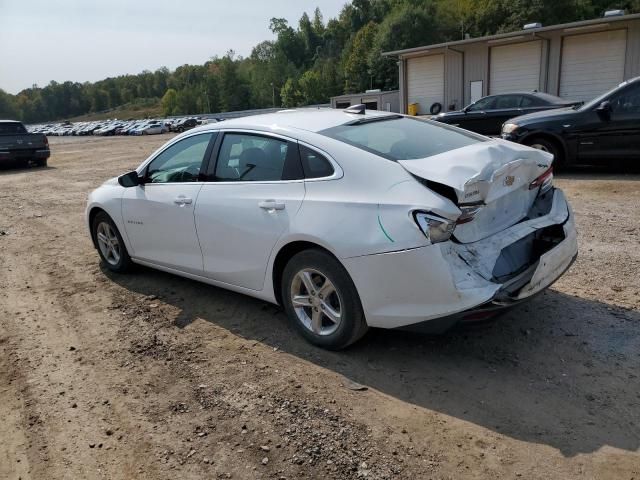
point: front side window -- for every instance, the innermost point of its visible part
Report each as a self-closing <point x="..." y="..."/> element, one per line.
<point x="627" y="102"/>
<point x="486" y="103"/>
<point x="181" y="162"/>
<point x="403" y="138"/>
<point x="256" y="158"/>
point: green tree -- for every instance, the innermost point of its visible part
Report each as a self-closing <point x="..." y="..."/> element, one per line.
<point x="311" y="88"/>
<point x="170" y="102"/>
<point x="409" y="25"/>
<point x="290" y="94"/>
<point x="356" y="70"/>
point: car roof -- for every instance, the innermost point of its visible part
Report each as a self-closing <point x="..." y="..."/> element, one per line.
<point x="309" y="119"/>
<point x="545" y="96"/>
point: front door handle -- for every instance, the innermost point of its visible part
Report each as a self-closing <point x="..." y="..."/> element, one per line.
<point x="182" y="201"/>
<point x="271" y="205"/>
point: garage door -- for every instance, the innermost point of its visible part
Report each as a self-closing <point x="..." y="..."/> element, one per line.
<point x="425" y="81"/>
<point x="515" y="67"/>
<point x="592" y="64"/>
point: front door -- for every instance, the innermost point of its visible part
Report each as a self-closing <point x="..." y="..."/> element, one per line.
<point x="256" y="193"/>
<point x="159" y="214"/>
<point x="613" y="135"/>
<point x="475" y="116"/>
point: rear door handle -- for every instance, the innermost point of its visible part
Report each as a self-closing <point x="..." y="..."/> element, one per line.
<point x="271" y="205"/>
<point x="182" y="201"/>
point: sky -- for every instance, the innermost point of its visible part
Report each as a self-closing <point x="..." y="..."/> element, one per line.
<point x="87" y="40"/>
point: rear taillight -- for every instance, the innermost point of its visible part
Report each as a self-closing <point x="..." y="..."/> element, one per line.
<point x="468" y="214"/>
<point x="437" y="229"/>
<point x="46" y="141"/>
<point x="544" y="181"/>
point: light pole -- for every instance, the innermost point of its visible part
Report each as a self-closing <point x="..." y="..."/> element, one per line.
<point x="273" y="94"/>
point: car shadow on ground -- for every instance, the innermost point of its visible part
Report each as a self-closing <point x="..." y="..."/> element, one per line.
<point x="559" y="370"/>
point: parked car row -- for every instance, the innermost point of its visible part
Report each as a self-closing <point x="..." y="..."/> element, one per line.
<point x="603" y="130"/>
<point x="120" y="127"/>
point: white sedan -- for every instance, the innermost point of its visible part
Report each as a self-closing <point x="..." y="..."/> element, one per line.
<point x="348" y="219"/>
<point x="153" y="128"/>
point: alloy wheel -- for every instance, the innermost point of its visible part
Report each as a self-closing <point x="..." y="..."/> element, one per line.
<point x="316" y="302"/>
<point x="108" y="243"/>
<point x="539" y="146"/>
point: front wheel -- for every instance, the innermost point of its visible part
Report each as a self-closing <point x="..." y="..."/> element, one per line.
<point x="549" y="147"/>
<point x="111" y="247"/>
<point x="321" y="300"/>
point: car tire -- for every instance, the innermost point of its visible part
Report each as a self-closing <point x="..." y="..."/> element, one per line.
<point x="328" y="315"/>
<point x="435" y="109"/>
<point x="541" y="143"/>
<point x="106" y="235"/>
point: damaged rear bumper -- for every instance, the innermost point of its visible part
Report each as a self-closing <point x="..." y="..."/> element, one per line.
<point x="438" y="286"/>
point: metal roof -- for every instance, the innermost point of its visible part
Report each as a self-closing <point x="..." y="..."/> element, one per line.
<point x="518" y="33"/>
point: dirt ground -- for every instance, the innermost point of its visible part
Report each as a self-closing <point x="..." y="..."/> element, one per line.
<point x="151" y="376"/>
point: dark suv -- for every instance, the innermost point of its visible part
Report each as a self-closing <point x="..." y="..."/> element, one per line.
<point x="604" y="130"/>
<point x="184" y="124"/>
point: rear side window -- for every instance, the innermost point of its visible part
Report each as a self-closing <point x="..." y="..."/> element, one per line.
<point x="255" y="158"/>
<point x="314" y="164"/>
<point x="507" y="101"/>
<point x="403" y="138"/>
<point x="532" y="102"/>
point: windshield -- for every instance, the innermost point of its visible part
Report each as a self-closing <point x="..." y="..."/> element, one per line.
<point x="403" y="138"/>
<point x="598" y="100"/>
<point x="11" y="128"/>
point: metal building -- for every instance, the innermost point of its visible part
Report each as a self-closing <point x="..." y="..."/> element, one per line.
<point x="576" y="60"/>
<point x="388" y="101"/>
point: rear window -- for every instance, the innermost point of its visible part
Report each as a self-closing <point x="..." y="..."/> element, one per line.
<point x="402" y="138"/>
<point x="10" y="128"/>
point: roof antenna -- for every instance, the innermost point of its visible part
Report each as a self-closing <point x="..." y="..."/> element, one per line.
<point x="357" y="109"/>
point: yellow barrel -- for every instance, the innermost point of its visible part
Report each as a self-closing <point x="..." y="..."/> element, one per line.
<point x="413" y="109"/>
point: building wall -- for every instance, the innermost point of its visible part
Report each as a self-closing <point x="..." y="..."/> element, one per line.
<point x="392" y="97"/>
<point x="476" y="67"/>
<point x="454" y="80"/>
<point x="470" y="62"/>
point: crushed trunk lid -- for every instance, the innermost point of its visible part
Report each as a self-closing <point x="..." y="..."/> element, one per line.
<point x="494" y="175"/>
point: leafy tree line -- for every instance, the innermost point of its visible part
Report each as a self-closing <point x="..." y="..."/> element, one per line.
<point x="304" y="64"/>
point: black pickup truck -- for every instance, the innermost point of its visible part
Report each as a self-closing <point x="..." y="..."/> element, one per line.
<point x="17" y="146"/>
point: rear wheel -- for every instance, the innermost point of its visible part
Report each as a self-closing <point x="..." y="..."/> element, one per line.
<point x="111" y="247"/>
<point x="41" y="162"/>
<point x="321" y="300"/>
<point x="549" y="146"/>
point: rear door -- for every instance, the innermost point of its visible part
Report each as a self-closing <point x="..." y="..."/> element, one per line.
<point x="158" y="215"/>
<point x="504" y="108"/>
<point x="257" y="190"/>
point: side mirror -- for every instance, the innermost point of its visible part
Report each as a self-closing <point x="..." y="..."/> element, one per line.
<point x="130" y="179"/>
<point x="604" y="108"/>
